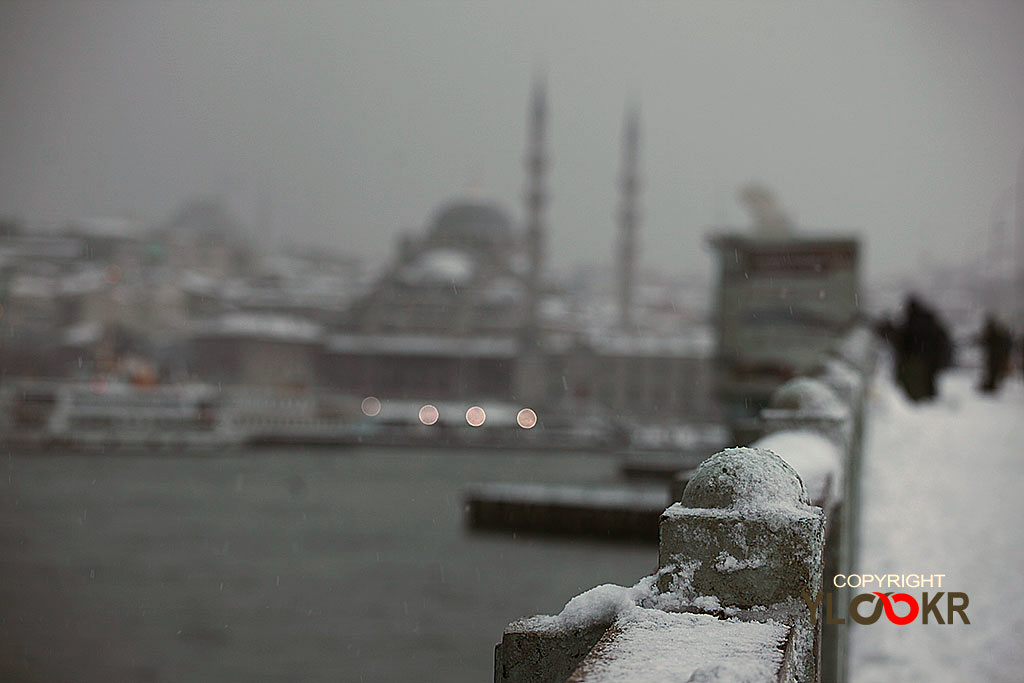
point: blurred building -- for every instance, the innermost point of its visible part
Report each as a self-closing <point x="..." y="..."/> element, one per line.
<point x="442" y="321"/>
<point x="429" y="367"/>
<point x="446" y="321"/>
<point x="257" y="350"/>
<point x="464" y="311"/>
<point x="463" y="277"/>
<point x="654" y="378"/>
<point x="782" y="301"/>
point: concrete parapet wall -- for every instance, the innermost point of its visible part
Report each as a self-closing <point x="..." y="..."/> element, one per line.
<point x="532" y="652"/>
<point x="741" y="548"/>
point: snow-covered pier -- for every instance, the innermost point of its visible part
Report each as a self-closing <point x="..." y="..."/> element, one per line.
<point x="755" y="531"/>
<point x="612" y="513"/>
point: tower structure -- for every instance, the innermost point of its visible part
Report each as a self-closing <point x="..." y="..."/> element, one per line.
<point x="536" y="197"/>
<point x="628" y="218"/>
<point x="530" y="385"/>
<point x="1019" y="218"/>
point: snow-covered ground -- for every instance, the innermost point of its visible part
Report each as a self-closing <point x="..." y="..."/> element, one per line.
<point x="942" y="494"/>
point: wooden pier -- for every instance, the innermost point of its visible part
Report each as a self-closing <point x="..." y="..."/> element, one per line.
<point x="621" y="513"/>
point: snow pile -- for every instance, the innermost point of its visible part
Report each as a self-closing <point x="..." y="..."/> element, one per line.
<point x="651" y="645"/>
<point x="197" y="283"/>
<point x="440" y="266"/>
<point x="859" y="347"/>
<point x="599" y="605"/>
<point x="693" y="343"/>
<point x="817" y="459"/>
<point x="422" y="345"/>
<point x="82" y="282"/>
<point x="809" y="396"/>
<point x="608" y="602"/>
<point x="887" y="403"/>
<point x="31" y="286"/>
<point x="263" y="326"/>
<point x="84" y="333"/>
<point x="727" y="564"/>
<point x="842" y="378"/>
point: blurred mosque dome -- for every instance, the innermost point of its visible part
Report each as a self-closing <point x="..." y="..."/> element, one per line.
<point x="440" y="266"/>
<point x="456" y="278"/>
<point x="471" y="223"/>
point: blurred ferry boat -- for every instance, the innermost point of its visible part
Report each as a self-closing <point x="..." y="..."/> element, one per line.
<point x="116" y="414"/>
<point x="105" y="414"/>
<point x="102" y="414"/>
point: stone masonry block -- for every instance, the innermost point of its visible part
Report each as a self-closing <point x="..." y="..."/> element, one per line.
<point x="744" y="531"/>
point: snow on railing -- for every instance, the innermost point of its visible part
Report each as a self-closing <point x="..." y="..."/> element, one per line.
<point x="756" y="530"/>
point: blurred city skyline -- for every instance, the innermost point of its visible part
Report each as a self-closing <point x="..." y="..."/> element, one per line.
<point x="348" y="124"/>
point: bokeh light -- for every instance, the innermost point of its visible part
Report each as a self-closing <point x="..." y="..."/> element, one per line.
<point x="526" y="418"/>
<point x="476" y="416"/>
<point x="371" y="406"/>
<point x="428" y="414"/>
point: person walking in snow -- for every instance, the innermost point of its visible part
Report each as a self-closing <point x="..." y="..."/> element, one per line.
<point x="923" y="348"/>
<point x="997" y="345"/>
<point x="1022" y="355"/>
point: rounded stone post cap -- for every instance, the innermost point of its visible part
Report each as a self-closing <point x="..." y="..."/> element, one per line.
<point x="745" y="479"/>
<point x="840" y="377"/>
<point x="808" y="395"/>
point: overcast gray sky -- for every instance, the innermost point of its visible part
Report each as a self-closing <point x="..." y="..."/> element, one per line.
<point x="902" y="120"/>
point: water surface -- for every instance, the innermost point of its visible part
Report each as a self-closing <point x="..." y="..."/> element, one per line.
<point x="277" y="565"/>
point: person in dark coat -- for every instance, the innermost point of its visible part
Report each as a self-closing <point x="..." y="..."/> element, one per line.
<point x="923" y="348"/>
<point x="997" y="345"/>
<point x="1022" y="355"/>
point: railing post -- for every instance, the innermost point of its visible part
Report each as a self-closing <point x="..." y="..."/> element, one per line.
<point x="745" y="533"/>
<point x="742" y="558"/>
<point x="805" y="403"/>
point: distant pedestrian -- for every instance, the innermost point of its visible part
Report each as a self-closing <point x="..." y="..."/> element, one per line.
<point x="923" y="348"/>
<point x="1022" y="354"/>
<point x="997" y="345"/>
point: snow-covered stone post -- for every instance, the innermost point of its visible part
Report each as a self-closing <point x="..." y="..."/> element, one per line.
<point x="745" y="533"/>
<point x="737" y="553"/>
<point x="806" y="403"/>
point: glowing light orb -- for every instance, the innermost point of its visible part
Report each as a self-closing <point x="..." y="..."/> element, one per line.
<point x="428" y="414"/>
<point x="476" y="416"/>
<point x="526" y="418"/>
<point x="371" y="406"/>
